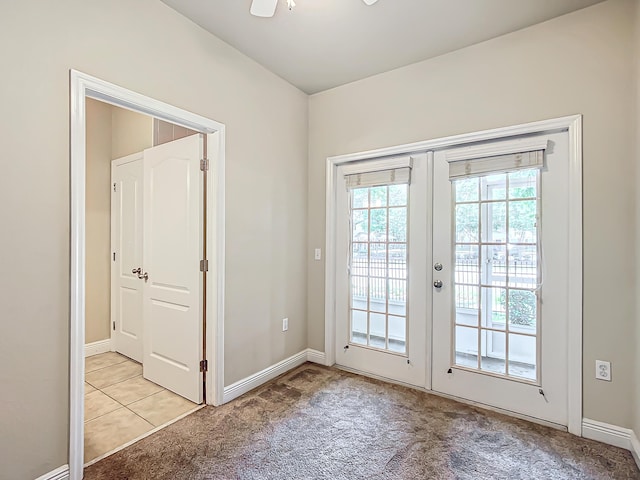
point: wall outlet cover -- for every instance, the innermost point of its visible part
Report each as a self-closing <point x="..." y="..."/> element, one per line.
<point x="603" y="370"/>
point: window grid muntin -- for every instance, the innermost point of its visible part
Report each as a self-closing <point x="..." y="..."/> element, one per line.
<point x="483" y="222"/>
<point x="390" y="268"/>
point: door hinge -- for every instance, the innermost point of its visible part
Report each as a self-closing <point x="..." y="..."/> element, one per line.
<point x="204" y="365"/>
<point x="114" y="187"/>
<point x="114" y="326"/>
<point x="204" y="164"/>
<point x="114" y="256"/>
<point x="204" y="265"/>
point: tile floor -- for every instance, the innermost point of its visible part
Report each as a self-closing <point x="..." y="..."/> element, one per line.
<point x="120" y="405"/>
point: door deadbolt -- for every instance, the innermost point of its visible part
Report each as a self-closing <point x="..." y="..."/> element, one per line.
<point x="437" y="284"/>
<point x="437" y="267"/>
<point x="137" y="270"/>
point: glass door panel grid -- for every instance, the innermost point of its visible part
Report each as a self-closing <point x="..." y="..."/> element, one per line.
<point x="497" y="274"/>
<point x="378" y="267"/>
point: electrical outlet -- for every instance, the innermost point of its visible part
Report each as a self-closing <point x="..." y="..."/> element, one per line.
<point x="603" y="370"/>
<point x="285" y="324"/>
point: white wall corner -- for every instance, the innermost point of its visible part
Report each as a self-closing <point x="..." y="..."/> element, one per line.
<point x="607" y="433"/>
<point x="635" y="447"/>
<point x="60" y="473"/>
<point x="316" y="357"/>
<point x="95" y="348"/>
<point x="253" y="381"/>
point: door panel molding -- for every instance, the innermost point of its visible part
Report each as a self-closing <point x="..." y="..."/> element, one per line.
<point x="81" y="87"/>
<point x="573" y="124"/>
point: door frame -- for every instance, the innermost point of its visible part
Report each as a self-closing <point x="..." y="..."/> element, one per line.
<point x="573" y="125"/>
<point x="84" y="86"/>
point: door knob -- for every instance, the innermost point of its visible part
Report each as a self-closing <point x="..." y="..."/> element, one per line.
<point x="137" y="270"/>
<point x="144" y="275"/>
<point x="437" y="284"/>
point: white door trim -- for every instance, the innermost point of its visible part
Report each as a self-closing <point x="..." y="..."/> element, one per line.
<point x="81" y="87"/>
<point x="573" y="124"/>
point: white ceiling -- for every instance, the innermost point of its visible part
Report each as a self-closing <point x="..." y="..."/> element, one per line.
<point x="325" y="43"/>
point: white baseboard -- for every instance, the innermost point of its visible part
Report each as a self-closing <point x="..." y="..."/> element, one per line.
<point x="316" y="357"/>
<point x="635" y="448"/>
<point x="609" y="434"/>
<point x="60" y="473"/>
<point x="252" y="381"/>
<point x="95" y="348"/>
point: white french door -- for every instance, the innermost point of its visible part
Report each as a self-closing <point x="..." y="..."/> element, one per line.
<point x="157" y="235"/>
<point x="500" y="300"/>
<point x="126" y="241"/>
<point x="455" y="278"/>
<point x="381" y="231"/>
<point x="172" y="250"/>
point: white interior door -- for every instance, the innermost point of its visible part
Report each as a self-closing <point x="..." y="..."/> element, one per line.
<point x="382" y="257"/>
<point x="172" y="249"/>
<point x="126" y="243"/>
<point x="500" y="314"/>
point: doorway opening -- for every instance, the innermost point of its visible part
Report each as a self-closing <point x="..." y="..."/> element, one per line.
<point x="173" y="359"/>
<point x="129" y="390"/>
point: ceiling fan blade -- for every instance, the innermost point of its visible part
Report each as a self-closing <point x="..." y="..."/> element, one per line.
<point x="369" y="2"/>
<point x="263" y="8"/>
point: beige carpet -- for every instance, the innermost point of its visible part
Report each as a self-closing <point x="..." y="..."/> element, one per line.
<point x="323" y="423"/>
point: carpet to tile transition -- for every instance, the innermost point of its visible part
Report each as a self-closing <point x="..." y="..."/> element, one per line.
<point x="323" y="423"/>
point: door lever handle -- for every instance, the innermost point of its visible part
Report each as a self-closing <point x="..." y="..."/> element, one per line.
<point x="144" y="275"/>
<point x="137" y="270"/>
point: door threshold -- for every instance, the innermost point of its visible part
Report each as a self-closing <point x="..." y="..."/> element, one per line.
<point x="144" y="435"/>
<point x="509" y="413"/>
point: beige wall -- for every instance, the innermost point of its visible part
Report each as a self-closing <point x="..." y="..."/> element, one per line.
<point x="124" y="42"/>
<point x="98" y="211"/>
<point x="132" y="132"/>
<point x="579" y="63"/>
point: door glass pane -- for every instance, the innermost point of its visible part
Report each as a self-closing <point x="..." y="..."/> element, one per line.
<point x="360" y="225"/>
<point x="494" y="187"/>
<point x="496" y="273"/>
<point x="378" y="267"/>
<point x="398" y="224"/>
<point x="495" y="221"/>
<point x="359" y="327"/>
<point x="523" y="184"/>
<point x="493" y="352"/>
<point x="397" y="195"/>
<point x="467" y="222"/>
<point x="494" y="266"/>
<point x="467" y="190"/>
<point x="360" y="198"/>
<point x="397" y="334"/>
<point x="467" y="347"/>
<point x="522" y="356"/>
<point x="522" y="311"/>
<point x="377" y="330"/>
<point x="378" y="196"/>
<point x="494" y="308"/>
<point x="522" y="221"/>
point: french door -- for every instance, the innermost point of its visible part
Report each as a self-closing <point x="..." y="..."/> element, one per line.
<point x="500" y="297"/>
<point x="380" y="302"/>
<point x="456" y="278"/>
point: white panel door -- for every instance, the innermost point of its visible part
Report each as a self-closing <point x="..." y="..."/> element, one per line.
<point x="126" y="242"/>
<point x="172" y="249"/>
<point x="382" y="256"/>
<point x="500" y="313"/>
